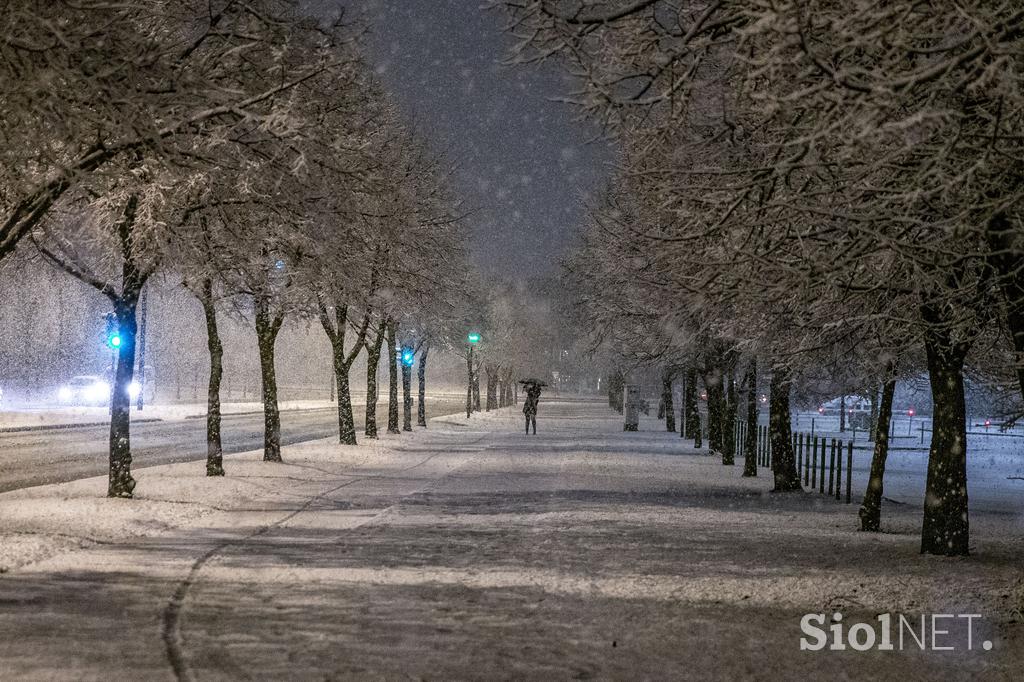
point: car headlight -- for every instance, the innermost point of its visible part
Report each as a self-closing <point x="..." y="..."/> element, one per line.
<point x="98" y="392"/>
<point x="134" y="389"/>
<point x="64" y="394"/>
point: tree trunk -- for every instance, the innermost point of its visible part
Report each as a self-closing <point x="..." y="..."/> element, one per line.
<point x="406" y="397"/>
<point x="729" y="413"/>
<point x="266" y="336"/>
<point x="214" y="450"/>
<point x="876" y="397"/>
<point x="476" y="389"/>
<point x="372" y="366"/>
<point x="120" y="482"/>
<point x="781" y="433"/>
<point x="716" y="400"/>
<point x="871" y="508"/>
<point x="421" y="375"/>
<point x="946" y="528"/>
<point x="750" y="442"/>
<point x="666" y="398"/>
<point x="469" y="383"/>
<point x="690" y="405"/>
<point x="492" y="389"/>
<point x="616" y="385"/>
<point x="842" y="413"/>
<point x="392" y="379"/>
<point x="346" y="420"/>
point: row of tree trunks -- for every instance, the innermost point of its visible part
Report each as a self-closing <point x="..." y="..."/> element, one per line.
<point x="945" y="528"/>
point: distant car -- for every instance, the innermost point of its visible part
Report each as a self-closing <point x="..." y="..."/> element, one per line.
<point x="85" y="389"/>
<point x="858" y="410"/>
<point x="89" y="389"/>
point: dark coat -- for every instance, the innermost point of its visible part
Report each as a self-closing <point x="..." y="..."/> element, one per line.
<point x="532" y="398"/>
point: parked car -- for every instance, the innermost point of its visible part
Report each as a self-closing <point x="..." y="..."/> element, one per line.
<point x="858" y="410"/>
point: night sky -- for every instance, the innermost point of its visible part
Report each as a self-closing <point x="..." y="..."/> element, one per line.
<point x="522" y="161"/>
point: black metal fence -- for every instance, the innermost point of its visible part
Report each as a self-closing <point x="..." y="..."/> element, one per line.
<point x="818" y="459"/>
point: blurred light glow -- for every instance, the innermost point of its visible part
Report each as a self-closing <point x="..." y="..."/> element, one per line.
<point x="96" y="393"/>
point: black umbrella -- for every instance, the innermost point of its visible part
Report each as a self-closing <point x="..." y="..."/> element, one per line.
<point x="537" y="382"/>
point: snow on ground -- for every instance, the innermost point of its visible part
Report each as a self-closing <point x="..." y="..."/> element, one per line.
<point x="474" y="550"/>
<point x="47" y="520"/>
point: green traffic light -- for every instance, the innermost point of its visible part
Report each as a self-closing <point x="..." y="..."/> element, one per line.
<point x="115" y="341"/>
<point x="474" y="338"/>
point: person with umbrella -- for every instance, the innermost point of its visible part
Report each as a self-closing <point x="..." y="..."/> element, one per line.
<point x="532" y="388"/>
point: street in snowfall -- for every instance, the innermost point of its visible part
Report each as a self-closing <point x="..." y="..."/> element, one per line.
<point x="511" y="339"/>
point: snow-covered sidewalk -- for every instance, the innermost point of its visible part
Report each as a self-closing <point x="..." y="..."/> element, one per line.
<point x="473" y="550"/>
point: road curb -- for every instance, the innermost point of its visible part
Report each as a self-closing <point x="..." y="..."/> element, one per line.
<point x="252" y="412"/>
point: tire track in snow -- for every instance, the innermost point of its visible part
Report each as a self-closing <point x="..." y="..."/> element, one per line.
<point x="171" y="620"/>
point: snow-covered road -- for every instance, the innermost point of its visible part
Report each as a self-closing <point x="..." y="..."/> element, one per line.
<point x="53" y="455"/>
<point x="473" y="551"/>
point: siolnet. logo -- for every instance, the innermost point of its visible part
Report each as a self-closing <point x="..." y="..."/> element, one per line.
<point x="889" y="632"/>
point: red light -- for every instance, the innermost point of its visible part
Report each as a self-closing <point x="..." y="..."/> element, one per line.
<point x="988" y="423"/>
<point x="821" y="410"/>
<point x="910" y="412"/>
